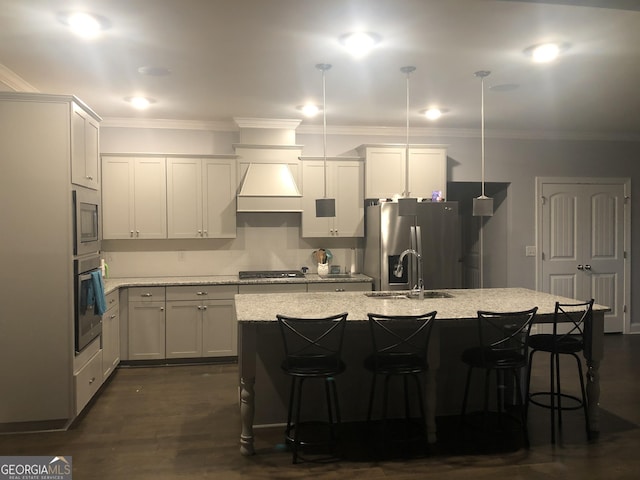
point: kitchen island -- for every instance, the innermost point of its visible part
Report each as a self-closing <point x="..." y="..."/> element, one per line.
<point x="264" y="388"/>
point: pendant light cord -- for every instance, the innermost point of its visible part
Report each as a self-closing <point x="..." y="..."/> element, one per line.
<point x="408" y="70"/>
<point x="323" y="67"/>
<point x="482" y="128"/>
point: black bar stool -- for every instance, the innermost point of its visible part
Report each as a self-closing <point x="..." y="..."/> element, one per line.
<point x="575" y="320"/>
<point x="313" y="350"/>
<point x="399" y="349"/>
<point x="503" y="342"/>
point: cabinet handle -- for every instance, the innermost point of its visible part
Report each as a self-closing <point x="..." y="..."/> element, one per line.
<point x="339" y="289"/>
<point x="93" y="379"/>
<point x="199" y="307"/>
<point x="580" y="267"/>
<point x="147" y="295"/>
<point x="199" y="233"/>
<point x="202" y="293"/>
<point x="131" y="233"/>
<point x="112" y="317"/>
<point x="587" y="267"/>
<point x="137" y="233"/>
<point x="206" y="234"/>
<point x="204" y="307"/>
<point x="89" y="177"/>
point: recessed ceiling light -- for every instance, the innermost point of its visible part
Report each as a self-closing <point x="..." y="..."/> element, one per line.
<point x="140" y="103"/>
<point x="309" y="109"/>
<point x="84" y="24"/>
<point x="545" y="52"/>
<point x="154" y="71"/>
<point x="360" y="43"/>
<point x="433" y="113"/>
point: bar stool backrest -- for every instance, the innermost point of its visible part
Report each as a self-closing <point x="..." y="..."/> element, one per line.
<point x="504" y="336"/>
<point x="575" y="318"/>
<point x="401" y="336"/>
<point x="313" y="344"/>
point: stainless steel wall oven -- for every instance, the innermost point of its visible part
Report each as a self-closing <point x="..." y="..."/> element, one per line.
<point x="88" y="320"/>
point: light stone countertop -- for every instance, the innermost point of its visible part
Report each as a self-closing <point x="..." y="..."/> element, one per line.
<point x="111" y="284"/>
<point x="464" y="304"/>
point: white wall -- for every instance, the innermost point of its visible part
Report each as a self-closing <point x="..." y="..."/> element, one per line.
<point x="272" y="241"/>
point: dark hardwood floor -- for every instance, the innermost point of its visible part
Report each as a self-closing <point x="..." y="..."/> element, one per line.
<point x="182" y="422"/>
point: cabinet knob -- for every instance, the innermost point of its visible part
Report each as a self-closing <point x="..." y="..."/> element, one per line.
<point x="162" y="309"/>
<point x="587" y="267"/>
<point x="131" y="233"/>
<point x="147" y="295"/>
<point x="112" y="317"/>
<point x="199" y="233"/>
<point x="202" y="293"/>
<point x="580" y="267"/>
<point x="137" y="233"/>
<point x="206" y="234"/>
<point x="204" y="307"/>
<point x="339" y="289"/>
<point x="89" y="177"/>
<point x="93" y="379"/>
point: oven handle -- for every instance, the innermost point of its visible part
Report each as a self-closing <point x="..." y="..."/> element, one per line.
<point x="87" y="276"/>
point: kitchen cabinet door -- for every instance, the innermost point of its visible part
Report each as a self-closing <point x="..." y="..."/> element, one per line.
<point x="111" y="335"/>
<point x="201" y="196"/>
<point x="219" y="329"/>
<point x="345" y="183"/>
<point x="84" y="148"/>
<point x="184" y="198"/>
<point x="134" y="197"/>
<point x="385" y="175"/>
<point x="146" y="330"/>
<point x="219" y="197"/>
<point x="184" y="329"/>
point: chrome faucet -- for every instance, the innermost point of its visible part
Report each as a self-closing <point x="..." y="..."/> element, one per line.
<point x="397" y="271"/>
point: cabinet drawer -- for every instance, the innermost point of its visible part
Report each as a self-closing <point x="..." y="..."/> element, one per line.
<point x="88" y="380"/>
<point x="273" y="288"/>
<point x="201" y="292"/>
<point x="146" y="294"/>
<point x="112" y="299"/>
<point x="340" y="287"/>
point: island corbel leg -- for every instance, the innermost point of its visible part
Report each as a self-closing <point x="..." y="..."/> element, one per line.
<point x="593" y="352"/>
<point x="247" y="366"/>
<point x="247" y="409"/>
<point x="593" y="394"/>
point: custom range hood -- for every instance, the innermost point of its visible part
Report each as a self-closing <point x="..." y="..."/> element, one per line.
<point x="269" y="166"/>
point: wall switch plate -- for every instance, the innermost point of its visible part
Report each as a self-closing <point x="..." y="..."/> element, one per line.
<point x="530" y="251"/>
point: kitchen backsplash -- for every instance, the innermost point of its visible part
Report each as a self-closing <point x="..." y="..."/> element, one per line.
<point x="264" y="242"/>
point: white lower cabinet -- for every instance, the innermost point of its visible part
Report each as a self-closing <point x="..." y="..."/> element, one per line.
<point x="111" y="335"/>
<point x="146" y="315"/>
<point x="200" y="321"/>
<point x="87" y="374"/>
<point x="340" y="287"/>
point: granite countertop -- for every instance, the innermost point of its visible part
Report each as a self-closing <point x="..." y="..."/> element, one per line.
<point x="464" y="304"/>
<point x="111" y="284"/>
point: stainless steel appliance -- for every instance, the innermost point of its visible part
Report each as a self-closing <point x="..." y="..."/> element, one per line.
<point x="253" y="274"/>
<point x="433" y="234"/>
<point x="86" y="221"/>
<point x="88" y="320"/>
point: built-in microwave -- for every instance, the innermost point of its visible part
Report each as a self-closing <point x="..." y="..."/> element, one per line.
<point x="86" y="221"/>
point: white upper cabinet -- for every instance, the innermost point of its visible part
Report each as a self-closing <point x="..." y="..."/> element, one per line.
<point x="134" y="197"/>
<point x="345" y="183"/>
<point x="84" y="148"/>
<point x="386" y="175"/>
<point x="201" y="196"/>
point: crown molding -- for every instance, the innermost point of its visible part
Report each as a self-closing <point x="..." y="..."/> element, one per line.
<point x="249" y="122"/>
<point x="15" y="81"/>
<point x="374" y="131"/>
<point x="167" y="124"/>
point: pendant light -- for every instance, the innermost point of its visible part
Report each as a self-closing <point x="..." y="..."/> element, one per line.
<point x="325" y="207"/>
<point x="483" y="205"/>
<point x="406" y="205"/>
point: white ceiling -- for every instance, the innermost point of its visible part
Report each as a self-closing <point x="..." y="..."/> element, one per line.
<point x="256" y="58"/>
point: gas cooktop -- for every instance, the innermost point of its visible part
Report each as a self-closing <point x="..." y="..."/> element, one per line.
<point x="251" y="274"/>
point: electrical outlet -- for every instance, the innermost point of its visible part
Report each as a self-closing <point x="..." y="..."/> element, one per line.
<point x="530" y="251"/>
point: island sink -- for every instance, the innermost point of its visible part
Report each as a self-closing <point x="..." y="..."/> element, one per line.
<point x="408" y="295"/>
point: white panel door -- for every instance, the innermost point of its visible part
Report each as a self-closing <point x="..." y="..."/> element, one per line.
<point x="150" y="198"/>
<point x="583" y="245"/>
<point x="347" y="189"/>
<point x="184" y="198"/>
<point x="219" y="198"/>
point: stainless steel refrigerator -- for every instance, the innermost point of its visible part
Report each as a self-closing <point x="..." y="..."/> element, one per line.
<point x="434" y="233"/>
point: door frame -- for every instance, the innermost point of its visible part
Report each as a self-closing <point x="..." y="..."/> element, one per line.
<point x="626" y="183"/>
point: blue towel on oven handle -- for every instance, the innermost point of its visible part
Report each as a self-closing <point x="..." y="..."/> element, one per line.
<point x="98" y="290"/>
